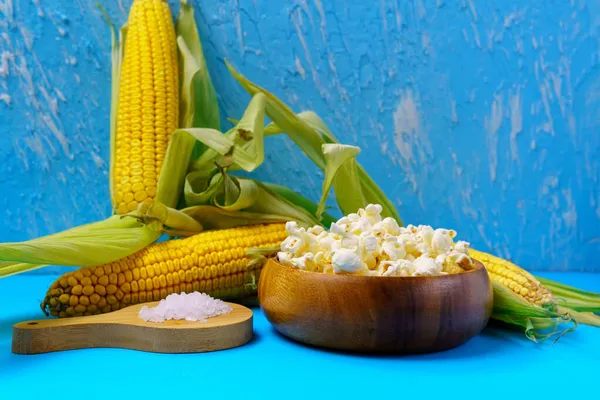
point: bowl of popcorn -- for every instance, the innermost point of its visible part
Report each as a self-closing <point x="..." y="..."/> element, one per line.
<point x="367" y="284"/>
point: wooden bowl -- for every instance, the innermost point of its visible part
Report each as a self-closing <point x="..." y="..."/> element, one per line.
<point x="376" y="314"/>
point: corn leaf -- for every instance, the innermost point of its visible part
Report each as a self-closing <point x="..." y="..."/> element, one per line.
<point x="585" y="318"/>
<point x="212" y="217"/>
<point x="255" y="197"/>
<point x="238" y="194"/>
<point x="8" y="268"/>
<point x="172" y="175"/>
<point x="208" y="184"/>
<point x="301" y="201"/>
<point x="217" y="142"/>
<point x="169" y="218"/>
<point x="370" y="190"/>
<point x="267" y="202"/>
<point x="86" y="245"/>
<point x="117" y="44"/>
<point x="303" y="135"/>
<point x="242" y="145"/>
<point x="303" y="129"/>
<point x="315" y="122"/>
<point x="538" y="323"/>
<point x="572" y="297"/>
<point x="117" y="50"/>
<point x="340" y="171"/>
<point x="201" y="188"/>
<point x="198" y="99"/>
<point x="241" y="194"/>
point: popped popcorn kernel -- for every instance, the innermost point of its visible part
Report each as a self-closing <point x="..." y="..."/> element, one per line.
<point x="364" y="243"/>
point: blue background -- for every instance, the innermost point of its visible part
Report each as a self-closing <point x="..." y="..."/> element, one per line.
<point x="476" y="115"/>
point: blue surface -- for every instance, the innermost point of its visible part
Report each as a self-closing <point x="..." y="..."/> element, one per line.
<point x="476" y="115"/>
<point x="495" y="364"/>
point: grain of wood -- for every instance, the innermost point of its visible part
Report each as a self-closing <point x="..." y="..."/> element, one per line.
<point x="376" y="314"/>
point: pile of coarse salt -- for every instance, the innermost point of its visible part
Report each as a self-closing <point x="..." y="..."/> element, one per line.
<point x="191" y="307"/>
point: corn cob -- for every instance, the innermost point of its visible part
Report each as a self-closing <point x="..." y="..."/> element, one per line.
<point x="515" y="278"/>
<point x="148" y="104"/>
<point x="213" y="262"/>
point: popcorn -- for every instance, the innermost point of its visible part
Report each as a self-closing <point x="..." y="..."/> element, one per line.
<point x="316" y="230"/>
<point x="398" y="268"/>
<point x="393" y="248"/>
<point x="425" y="265"/>
<point x="441" y="242"/>
<point x="300" y="262"/>
<point x="462" y="247"/>
<point x="365" y="244"/>
<point x="346" y="260"/>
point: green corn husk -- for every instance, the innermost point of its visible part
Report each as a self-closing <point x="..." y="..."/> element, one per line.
<point x="210" y="186"/>
<point x="538" y="323"/>
<point x="310" y="134"/>
<point x="120" y="236"/>
<point x="341" y="172"/>
<point x="585" y="318"/>
<point x="301" y="201"/>
<point x="198" y="103"/>
<point x="572" y="298"/>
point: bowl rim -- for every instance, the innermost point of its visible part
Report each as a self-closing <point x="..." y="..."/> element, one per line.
<point x="478" y="267"/>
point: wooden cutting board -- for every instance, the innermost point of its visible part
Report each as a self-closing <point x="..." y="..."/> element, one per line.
<point x="124" y="329"/>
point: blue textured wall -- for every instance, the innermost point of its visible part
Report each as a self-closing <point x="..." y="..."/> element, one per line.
<point x="477" y="115"/>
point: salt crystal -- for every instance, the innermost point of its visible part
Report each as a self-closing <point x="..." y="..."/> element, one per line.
<point x="190" y="307"/>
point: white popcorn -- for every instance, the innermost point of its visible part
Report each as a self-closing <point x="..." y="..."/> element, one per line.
<point x="284" y="257"/>
<point x="296" y="243"/>
<point x="329" y="244"/>
<point x="393" y="248"/>
<point x="441" y="241"/>
<point x="316" y="230"/>
<point x="398" y="268"/>
<point x="378" y="230"/>
<point x="372" y="213"/>
<point x="441" y="259"/>
<point x="390" y="225"/>
<point x="425" y="265"/>
<point x="422" y="248"/>
<point x="350" y="242"/>
<point x="362" y="225"/>
<point x="462" y="247"/>
<point x="460" y="258"/>
<point x="353" y="217"/>
<point x="300" y="262"/>
<point x="292" y="227"/>
<point x="293" y="245"/>
<point x="363" y="243"/>
<point x="346" y="260"/>
<point x="369" y="242"/>
<point x="338" y="229"/>
<point x="425" y="234"/>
